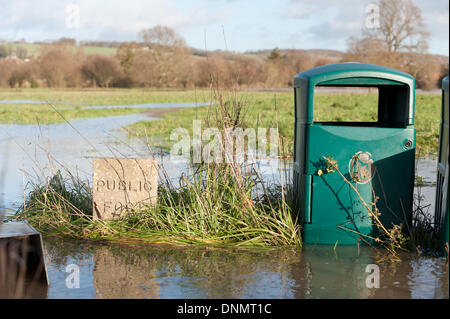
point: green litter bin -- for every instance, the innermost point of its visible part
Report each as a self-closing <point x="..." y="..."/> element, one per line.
<point x="442" y="199"/>
<point x="377" y="158"/>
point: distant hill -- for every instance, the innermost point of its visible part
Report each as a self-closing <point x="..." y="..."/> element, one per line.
<point x="330" y="56"/>
<point x="312" y="52"/>
<point x="30" y="50"/>
<point x="136" y="66"/>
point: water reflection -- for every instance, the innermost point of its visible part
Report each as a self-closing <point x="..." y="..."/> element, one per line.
<point x="160" y="271"/>
<point x="123" y="274"/>
<point x="329" y="273"/>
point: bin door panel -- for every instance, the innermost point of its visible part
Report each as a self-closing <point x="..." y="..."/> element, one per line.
<point x="376" y="162"/>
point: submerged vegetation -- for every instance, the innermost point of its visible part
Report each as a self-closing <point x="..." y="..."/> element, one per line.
<point x="264" y="109"/>
<point x="216" y="205"/>
<point x="277" y="110"/>
<point x="71" y="103"/>
<point x="220" y="204"/>
<point x="44" y="114"/>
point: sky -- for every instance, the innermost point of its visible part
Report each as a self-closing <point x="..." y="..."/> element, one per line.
<point x="236" y="25"/>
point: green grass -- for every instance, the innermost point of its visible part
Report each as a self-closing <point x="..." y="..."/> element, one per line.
<point x="32" y="49"/>
<point x="104" y="96"/>
<point x="277" y="110"/>
<point x="75" y="98"/>
<point x="264" y="109"/>
<point x="427" y="121"/>
<point x="99" y="50"/>
<point x="45" y="114"/>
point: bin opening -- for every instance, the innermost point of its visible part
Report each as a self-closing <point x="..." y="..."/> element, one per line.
<point x="355" y="105"/>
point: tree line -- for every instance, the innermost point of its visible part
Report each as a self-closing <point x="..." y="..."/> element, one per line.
<point x="161" y="59"/>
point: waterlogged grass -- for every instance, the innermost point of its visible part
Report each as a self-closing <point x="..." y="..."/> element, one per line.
<point x="217" y="204"/>
<point x="270" y="110"/>
<point x="214" y="206"/>
<point x="73" y="101"/>
<point x="46" y="114"/>
<point x="110" y="96"/>
<point x="263" y="109"/>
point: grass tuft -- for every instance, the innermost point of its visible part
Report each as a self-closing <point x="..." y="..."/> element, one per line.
<point x="209" y="207"/>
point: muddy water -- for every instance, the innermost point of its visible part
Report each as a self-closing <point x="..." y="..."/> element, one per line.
<point x="161" y="271"/>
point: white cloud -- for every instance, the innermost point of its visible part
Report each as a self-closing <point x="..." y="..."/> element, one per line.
<point x="436" y="17"/>
<point x="297" y="10"/>
<point x="113" y="19"/>
<point x="327" y="23"/>
<point x="299" y="23"/>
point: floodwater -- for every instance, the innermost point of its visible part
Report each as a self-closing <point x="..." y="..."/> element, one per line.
<point x="164" y="271"/>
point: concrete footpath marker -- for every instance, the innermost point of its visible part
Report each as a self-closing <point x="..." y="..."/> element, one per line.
<point x="123" y="184"/>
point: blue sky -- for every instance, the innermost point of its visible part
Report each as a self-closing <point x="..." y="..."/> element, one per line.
<point x="247" y="25"/>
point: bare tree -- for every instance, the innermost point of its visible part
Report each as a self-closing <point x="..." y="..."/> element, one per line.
<point x="144" y="70"/>
<point x="169" y="51"/>
<point x="370" y="50"/>
<point x="58" y="66"/>
<point x="401" y="26"/>
<point x="161" y="37"/>
<point x="101" y="70"/>
<point x="399" y="41"/>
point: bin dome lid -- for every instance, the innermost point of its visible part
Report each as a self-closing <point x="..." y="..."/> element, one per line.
<point x="353" y="74"/>
<point x="445" y="83"/>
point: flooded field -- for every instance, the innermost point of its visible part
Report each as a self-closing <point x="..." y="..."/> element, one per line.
<point x="164" y="271"/>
